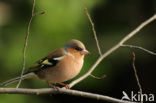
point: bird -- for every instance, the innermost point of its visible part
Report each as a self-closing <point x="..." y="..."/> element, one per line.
<point x="58" y="66"/>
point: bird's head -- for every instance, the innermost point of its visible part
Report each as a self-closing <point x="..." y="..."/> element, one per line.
<point x="76" y="46"/>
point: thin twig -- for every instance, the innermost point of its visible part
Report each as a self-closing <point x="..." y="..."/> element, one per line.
<point x="95" y="37"/>
<point x="138" y="29"/>
<point x="95" y="77"/>
<point x="136" y="76"/>
<point x="26" y="43"/>
<point x="94" y="31"/>
<point x="138" y="47"/>
<point x="39" y="13"/>
<point x="114" y="48"/>
<point x="61" y="91"/>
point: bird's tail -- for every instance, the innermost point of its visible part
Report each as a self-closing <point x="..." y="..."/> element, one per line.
<point x="25" y="76"/>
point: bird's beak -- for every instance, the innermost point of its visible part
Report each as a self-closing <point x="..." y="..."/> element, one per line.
<point x="84" y="52"/>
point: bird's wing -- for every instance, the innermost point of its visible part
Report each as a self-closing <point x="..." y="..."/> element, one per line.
<point x="49" y="61"/>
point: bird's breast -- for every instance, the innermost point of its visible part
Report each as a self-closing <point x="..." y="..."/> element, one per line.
<point x="71" y="68"/>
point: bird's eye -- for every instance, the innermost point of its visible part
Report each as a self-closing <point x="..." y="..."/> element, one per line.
<point x="78" y="49"/>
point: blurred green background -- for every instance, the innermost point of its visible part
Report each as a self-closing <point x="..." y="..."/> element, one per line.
<point x="65" y="20"/>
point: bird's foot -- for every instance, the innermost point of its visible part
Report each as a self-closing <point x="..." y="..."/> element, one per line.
<point x="51" y="86"/>
<point x="65" y="85"/>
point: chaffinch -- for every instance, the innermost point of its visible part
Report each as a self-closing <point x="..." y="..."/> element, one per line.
<point x="59" y="66"/>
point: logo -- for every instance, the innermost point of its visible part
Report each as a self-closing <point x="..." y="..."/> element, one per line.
<point x="138" y="97"/>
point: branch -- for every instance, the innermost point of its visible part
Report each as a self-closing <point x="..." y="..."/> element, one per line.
<point x="60" y="91"/>
<point x="138" y="47"/>
<point x="94" y="32"/>
<point x="136" y="76"/>
<point x="114" y="48"/>
<point x="96" y="40"/>
<point x="26" y="40"/>
<point x="26" y="43"/>
<point x="95" y="77"/>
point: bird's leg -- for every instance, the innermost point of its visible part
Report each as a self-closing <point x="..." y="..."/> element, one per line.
<point x="50" y="85"/>
<point x="65" y="85"/>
